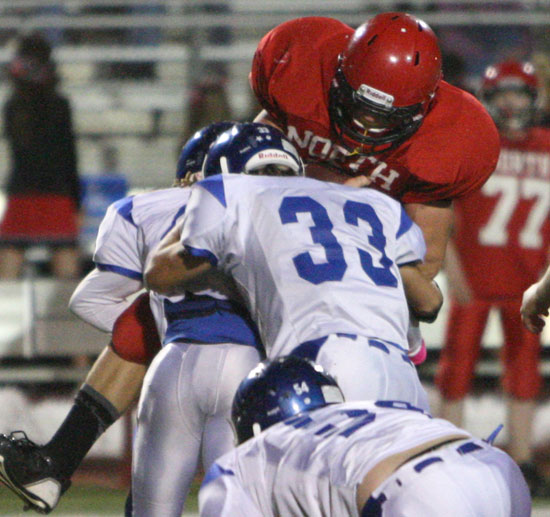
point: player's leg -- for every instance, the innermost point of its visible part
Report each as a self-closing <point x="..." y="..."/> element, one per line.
<point x="459" y="355"/>
<point x="11" y="262"/>
<point x="66" y="262"/>
<point x="232" y="365"/>
<point x="469" y="478"/>
<point x="370" y="369"/>
<point x="168" y="438"/>
<point x="521" y="382"/>
<point x="40" y="474"/>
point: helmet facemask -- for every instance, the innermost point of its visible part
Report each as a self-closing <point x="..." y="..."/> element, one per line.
<point x="366" y="126"/>
<point x="509" y="91"/>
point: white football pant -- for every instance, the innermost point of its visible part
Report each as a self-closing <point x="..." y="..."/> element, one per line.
<point x="369" y="369"/>
<point x="468" y="478"/>
<point x="184" y="414"/>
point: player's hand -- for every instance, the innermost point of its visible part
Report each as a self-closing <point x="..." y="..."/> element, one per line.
<point x="532" y="310"/>
<point x="417" y="346"/>
<point x="358" y="181"/>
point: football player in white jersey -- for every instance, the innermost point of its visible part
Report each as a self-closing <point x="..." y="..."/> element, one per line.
<point x="329" y="272"/>
<point x="305" y="452"/>
<point x="194" y="390"/>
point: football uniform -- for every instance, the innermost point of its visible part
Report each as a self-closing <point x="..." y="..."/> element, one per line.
<point x="502" y="237"/>
<point x="311" y="464"/>
<point x="317" y="264"/>
<point x="188" y="389"/>
<point x="452" y="154"/>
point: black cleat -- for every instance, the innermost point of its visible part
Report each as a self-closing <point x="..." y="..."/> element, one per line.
<point x="29" y="473"/>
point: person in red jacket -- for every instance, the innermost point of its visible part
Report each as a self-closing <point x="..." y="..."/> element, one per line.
<point x="43" y="186"/>
<point x="371" y="103"/>
<point x="499" y="248"/>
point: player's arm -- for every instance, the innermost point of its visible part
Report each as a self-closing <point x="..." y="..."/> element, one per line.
<point x="224" y="496"/>
<point x="191" y="249"/>
<point x="102" y="296"/>
<point x="423" y="296"/>
<point x="171" y="269"/>
<point x="456" y="277"/>
<point x="435" y="220"/>
<point x="535" y="304"/>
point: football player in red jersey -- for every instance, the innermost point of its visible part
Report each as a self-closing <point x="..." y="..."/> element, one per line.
<point x="499" y="248"/>
<point x="371" y="104"/>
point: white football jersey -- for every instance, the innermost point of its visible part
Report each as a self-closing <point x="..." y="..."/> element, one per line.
<point x="130" y="230"/>
<point x="311" y="258"/>
<point x="311" y="464"/>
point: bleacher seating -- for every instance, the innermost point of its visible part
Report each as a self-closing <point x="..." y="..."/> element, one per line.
<point x="133" y="111"/>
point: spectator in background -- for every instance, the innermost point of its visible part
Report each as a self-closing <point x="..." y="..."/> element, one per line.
<point x="500" y="247"/>
<point x="98" y="192"/>
<point x="541" y="60"/>
<point x="43" y="185"/>
<point x="208" y="91"/>
<point x="209" y="102"/>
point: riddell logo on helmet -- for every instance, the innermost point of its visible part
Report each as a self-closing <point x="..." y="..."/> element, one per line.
<point x="372" y="94"/>
<point x="272" y="154"/>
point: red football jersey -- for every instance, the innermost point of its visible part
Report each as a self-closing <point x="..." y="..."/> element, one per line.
<point x="503" y="230"/>
<point x="452" y="154"/>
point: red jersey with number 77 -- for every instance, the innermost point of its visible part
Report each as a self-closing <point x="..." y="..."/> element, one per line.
<point x="503" y="231"/>
<point x="451" y="155"/>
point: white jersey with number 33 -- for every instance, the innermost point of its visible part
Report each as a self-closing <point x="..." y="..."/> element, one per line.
<point x="311" y="258"/>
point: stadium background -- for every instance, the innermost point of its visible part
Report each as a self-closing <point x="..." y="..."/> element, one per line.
<point x="134" y="71"/>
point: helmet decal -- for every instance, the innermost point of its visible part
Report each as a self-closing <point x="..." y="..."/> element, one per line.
<point x="279" y="389"/>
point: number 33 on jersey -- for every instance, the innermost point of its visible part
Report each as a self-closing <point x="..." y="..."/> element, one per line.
<point x="314" y="256"/>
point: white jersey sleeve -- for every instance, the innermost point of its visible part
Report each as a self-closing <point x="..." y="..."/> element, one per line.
<point x="119" y="241"/>
<point x="411" y="246"/>
<point x="223" y="495"/>
<point x="102" y="296"/>
<point x="203" y="232"/>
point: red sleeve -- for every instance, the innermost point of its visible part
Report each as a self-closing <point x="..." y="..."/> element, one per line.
<point x="294" y="64"/>
<point x="135" y="337"/>
<point x="453" y="155"/>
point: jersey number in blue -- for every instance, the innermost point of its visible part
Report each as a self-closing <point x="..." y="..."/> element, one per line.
<point x="321" y="233"/>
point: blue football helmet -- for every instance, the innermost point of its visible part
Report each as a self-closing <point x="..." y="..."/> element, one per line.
<point x="253" y="148"/>
<point x="194" y="151"/>
<point x="279" y="389"/>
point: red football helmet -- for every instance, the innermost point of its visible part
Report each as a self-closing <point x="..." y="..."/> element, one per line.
<point x="385" y="80"/>
<point x="506" y="76"/>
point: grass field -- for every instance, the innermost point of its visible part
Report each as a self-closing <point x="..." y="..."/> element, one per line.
<point x="88" y="501"/>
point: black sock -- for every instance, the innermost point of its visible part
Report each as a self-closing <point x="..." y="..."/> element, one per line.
<point x="90" y="415"/>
